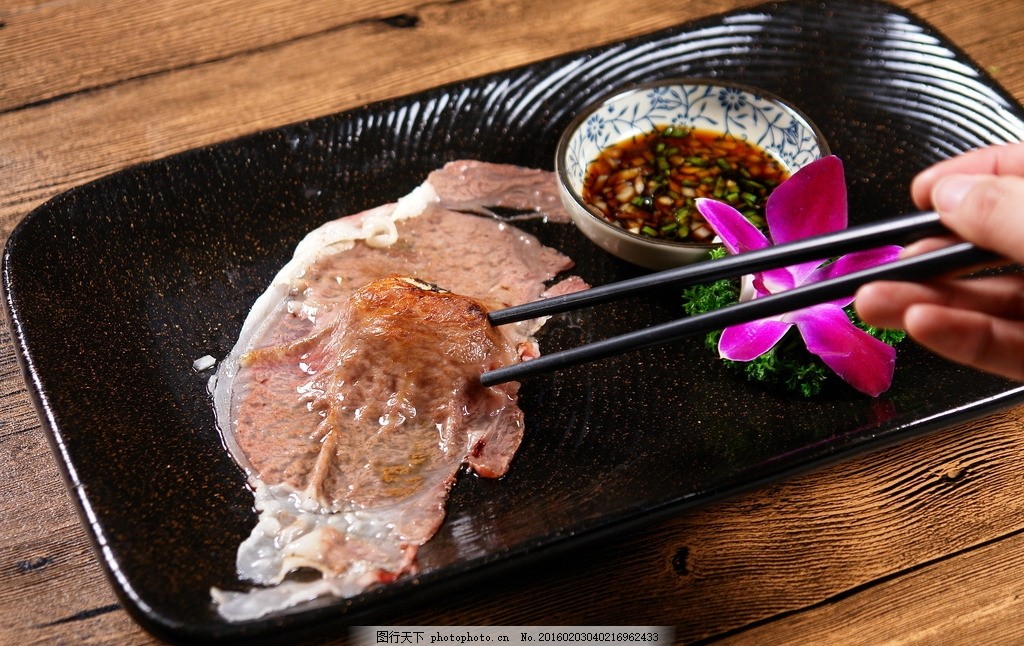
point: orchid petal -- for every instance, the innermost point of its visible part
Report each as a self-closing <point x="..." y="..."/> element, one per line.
<point x="803" y="272"/>
<point x="860" y="359"/>
<point x="748" y="291"/>
<point x="748" y="341"/>
<point x="856" y="261"/>
<point x="736" y="231"/>
<point x="773" y="281"/>
<point x="811" y="202"/>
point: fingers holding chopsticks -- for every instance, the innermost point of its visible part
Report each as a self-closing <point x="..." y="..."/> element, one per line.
<point x="886" y="304"/>
<point x="984" y="329"/>
<point x="998" y="160"/>
<point x="980" y="197"/>
<point x="967" y="335"/>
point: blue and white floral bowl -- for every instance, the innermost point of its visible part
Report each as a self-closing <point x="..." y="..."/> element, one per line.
<point x="743" y="112"/>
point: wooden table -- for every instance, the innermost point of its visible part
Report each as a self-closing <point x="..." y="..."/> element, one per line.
<point x="923" y="542"/>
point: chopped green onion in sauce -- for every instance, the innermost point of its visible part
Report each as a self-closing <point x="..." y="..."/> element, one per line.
<point x="648" y="184"/>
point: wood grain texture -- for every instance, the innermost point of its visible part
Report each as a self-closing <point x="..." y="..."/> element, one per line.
<point x="919" y="543"/>
<point x="809" y="545"/>
<point x="211" y="96"/>
<point x="58" y="49"/>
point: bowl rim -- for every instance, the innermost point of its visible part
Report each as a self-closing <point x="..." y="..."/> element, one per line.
<point x="623" y="91"/>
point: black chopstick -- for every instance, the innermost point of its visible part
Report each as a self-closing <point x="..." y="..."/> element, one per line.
<point x="894" y="231"/>
<point x="916" y="268"/>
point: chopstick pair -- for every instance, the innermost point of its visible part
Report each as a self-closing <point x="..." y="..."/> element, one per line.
<point x="895" y="231"/>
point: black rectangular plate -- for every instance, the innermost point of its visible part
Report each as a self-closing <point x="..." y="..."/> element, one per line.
<point x="115" y="288"/>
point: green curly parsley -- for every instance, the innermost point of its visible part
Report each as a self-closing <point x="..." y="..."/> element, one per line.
<point x="788" y="365"/>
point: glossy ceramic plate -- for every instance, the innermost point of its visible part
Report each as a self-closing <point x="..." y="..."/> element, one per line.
<point x="115" y="288"/>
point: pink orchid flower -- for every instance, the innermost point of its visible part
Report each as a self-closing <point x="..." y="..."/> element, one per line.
<point x="811" y="202"/>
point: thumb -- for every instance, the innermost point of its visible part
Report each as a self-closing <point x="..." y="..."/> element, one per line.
<point x="984" y="209"/>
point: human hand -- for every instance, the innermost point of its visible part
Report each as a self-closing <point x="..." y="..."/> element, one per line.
<point x="979" y="196"/>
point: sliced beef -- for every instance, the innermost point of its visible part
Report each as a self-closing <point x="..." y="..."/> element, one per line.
<point x="352" y="397"/>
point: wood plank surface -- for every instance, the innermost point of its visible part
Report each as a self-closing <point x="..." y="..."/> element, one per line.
<point x="920" y="543"/>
